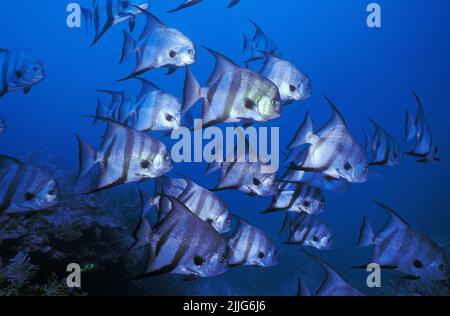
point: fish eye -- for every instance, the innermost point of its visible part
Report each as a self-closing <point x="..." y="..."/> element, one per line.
<point x="306" y="203"/>
<point x="222" y="259"/>
<point x="52" y="192"/>
<point x="198" y="261"/>
<point x="169" y="118"/>
<point x="36" y="68"/>
<point x="442" y="267"/>
<point x="274" y="102"/>
<point x="29" y="196"/>
<point x="292" y="88"/>
<point x="348" y="166"/>
<point x="210" y="221"/>
<point x="395" y="156"/>
<point x="145" y="164"/>
<point x="366" y="169"/>
<point x="172" y="54"/>
<point x="316" y="239"/>
<point x="166" y="157"/>
<point x="261" y="255"/>
<point x="256" y="181"/>
<point x="418" y="264"/>
<point x="249" y="104"/>
<point x="190" y="52"/>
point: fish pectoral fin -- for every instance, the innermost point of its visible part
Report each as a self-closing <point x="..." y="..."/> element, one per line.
<point x="26" y="90"/>
<point x="172" y="70"/>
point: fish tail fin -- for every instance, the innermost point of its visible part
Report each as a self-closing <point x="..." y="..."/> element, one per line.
<point x="410" y="127"/>
<point x="304" y="133"/>
<point x="87" y="157"/>
<point x="192" y="91"/>
<point x="88" y="17"/>
<point x="366" y="234"/>
<point x="129" y="46"/>
<point x="286" y="223"/>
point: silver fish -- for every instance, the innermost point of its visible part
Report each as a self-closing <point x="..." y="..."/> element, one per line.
<point x="292" y="83"/>
<point x="398" y="246"/>
<point x="250" y="246"/>
<point x="183" y="244"/>
<point x="108" y="13"/>
<point x="152" y="110"/>
<point x="244" y="175"/>
<point x="19" y="71"/>
<point x="333" y="284"/>
<point x="233" y="94"/>
<point x="332" y="150"/>
<point x="419" y="130"/>
<point x="125" y="156"/>
<point x="3" y="126"/>
<point x="200" y="201"/>
<point x="24" y="188"/>
<point x="259" y="44"/>
<point x="190" y="3"/>
<point x="307" y="230"/>
<point x="159" y="46"/>
<point x="297" y="198"/>
<point x="314" y="179"/>
<point x="385" y="151"/>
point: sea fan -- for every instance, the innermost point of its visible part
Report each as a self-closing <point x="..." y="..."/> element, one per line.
<point x="20" y="270"/>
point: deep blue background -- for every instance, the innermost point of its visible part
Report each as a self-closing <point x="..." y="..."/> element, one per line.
<point x="367" y="72"/>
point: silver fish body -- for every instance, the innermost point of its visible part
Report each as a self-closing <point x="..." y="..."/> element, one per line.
<point x="200" y="201"/>
<point x="152" y="110"/>
<point x="233" y="94"/>
<point x="384" y="150"/>
<point x="297" y="198"/>
<point x="105" y="14"/>
<point x="158" y="46"/>
<point x="125" y="156"/>
<point x="292" y="83"/>
<point x="419" y="130"/>
<point x="24" y="188"/>
<point x="184" y="244"/>
<point x="249" y="246"/>
<point x="398" y="246"/>
<point x="333" y="150"/>
<point x="19" y="71"/>
<point x="308" y="230"/>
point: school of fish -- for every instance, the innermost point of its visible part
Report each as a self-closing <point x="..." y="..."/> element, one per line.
<point x="192" y="232"/>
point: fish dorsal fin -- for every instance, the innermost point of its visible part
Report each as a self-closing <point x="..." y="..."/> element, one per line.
<point x="7" y="161"/>
<point x="336" y="119"/>
<point x="303" y="134"/>
<point x="223" y="65"/>
<point x="302" y="289"/>
<point x="147" y="87"/>
<point x="332" y="278"/>
<point x="410" y="127"/>
<point x="395" y="220"/>
<point x="153" y="23"/>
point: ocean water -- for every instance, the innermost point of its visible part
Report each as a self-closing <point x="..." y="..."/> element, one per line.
<point x="366" y="71"/>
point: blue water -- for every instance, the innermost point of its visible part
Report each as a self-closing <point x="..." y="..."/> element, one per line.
<point x="367" y="72"/>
